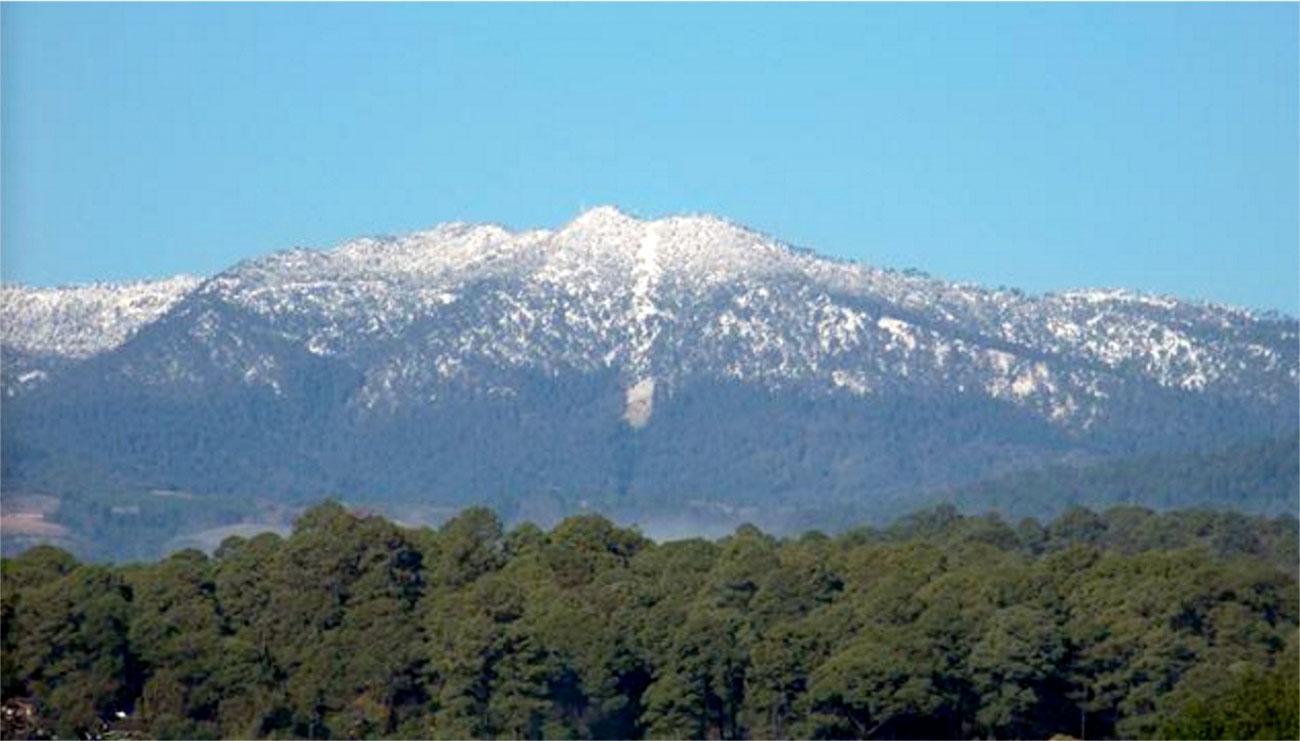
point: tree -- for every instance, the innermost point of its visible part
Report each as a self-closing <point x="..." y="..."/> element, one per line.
<point x="1015" y="670"/>
<point x="177" y="629"/>
<point x="72" y="650"/>
<point x="880" y="685"/>
<point x="1128" y="624"/>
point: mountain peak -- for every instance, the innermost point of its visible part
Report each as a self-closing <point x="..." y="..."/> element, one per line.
<point x="603" y="217"/>
<point x="632" y="343"/>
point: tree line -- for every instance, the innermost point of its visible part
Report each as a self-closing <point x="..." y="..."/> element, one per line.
<point x="1127" y="623"/>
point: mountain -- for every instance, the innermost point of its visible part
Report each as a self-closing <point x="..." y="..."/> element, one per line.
<point x="647" y="368"/>
<point x="48" y="328"/>
<point x="1262" y="477"/>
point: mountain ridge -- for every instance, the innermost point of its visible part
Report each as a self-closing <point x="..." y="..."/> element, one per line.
<point x="601" y="220"/>
<point x="644" y="360"/>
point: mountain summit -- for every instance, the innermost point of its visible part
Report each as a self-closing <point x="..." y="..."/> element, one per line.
<point x="623" y="362"/>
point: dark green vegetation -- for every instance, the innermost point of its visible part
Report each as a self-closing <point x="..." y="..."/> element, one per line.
<point x="118" y="523"/>
<point x="1261" y="477"/>
<point x="1123" y="624"/>
<point x="133" y="525"/>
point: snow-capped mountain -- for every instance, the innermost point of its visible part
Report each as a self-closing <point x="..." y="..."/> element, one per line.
<point x="639" y="331"/>
<point x="44" y="328"/>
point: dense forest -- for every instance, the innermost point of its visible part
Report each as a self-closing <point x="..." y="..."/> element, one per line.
<point x="109" y="523"/>
<point x="1127" y="623"/>
<point x="1260" y="477"/>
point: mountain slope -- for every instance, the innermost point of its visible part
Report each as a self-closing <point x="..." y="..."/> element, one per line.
<point x="634" y="366"/>
<point x="1261" y="477"/>
<point x="46" y="328"/>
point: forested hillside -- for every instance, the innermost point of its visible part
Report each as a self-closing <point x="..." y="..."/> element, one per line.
<point x="609" y="365"/>
<point x="1258" y="477"/>
<point x="107" y="523"/>
<point x="1127" y="623"/>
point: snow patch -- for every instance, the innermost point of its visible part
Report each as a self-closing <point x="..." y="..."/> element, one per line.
<point x="1029" y="381"/>
<point x="639" y="403"/>
<point x="80" y="321"/>
<point x="1001" y="361"/>
<point x="853" y="382"/>
<point x="899" y="331"/>
<point x="29" y="376"/>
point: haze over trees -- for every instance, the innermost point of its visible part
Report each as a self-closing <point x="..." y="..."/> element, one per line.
<point x="1127" y="623"/>
<point x="126" y="524"/>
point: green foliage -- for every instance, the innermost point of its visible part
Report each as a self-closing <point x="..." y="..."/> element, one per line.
<point x="1125" y="623"/>
<point x="70" y="645"/>
<point x="1258" y="477"/>
<point x="1261" y="705"/>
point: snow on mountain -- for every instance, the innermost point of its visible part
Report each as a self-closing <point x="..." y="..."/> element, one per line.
<point x="662" y="301"/>
<point x="687" y="296"/>
<point x="640" y="364"/>
<point x="44" y="327"/>
<point x="80" y="321"/>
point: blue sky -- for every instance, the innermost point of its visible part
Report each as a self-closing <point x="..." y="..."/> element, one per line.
<point x="1037" y="146"/>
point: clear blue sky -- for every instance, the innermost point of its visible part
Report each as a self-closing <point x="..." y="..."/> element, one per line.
<point x="1044" y="147"/>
